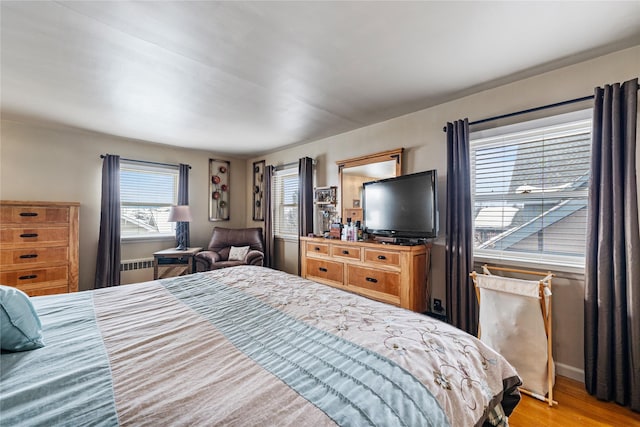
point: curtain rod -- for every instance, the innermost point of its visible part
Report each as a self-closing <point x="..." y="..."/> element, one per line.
<point x="532" y="110"/>
<point x="285" y="166"/>
<point x="146" y="162"/>
<point x="290" y="165"/>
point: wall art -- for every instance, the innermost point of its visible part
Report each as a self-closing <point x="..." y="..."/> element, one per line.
<point x="258" y="190"/>
<point x="219" y="190"/>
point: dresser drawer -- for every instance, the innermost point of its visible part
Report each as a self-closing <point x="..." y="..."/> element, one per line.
<point x="23" y="258"/>
<point x="377" y="256"/>
<point x="21" y="278"/>
<point x="33" y="215"/>
<point x="350" y="252"/>
<point x="46" y="288"/>
<point x="317" y="248"/>
<point x="327" y="270"/>
<point x="21" y="237"/>
<point x="386" y="282"/>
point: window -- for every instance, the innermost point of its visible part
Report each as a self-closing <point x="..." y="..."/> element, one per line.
<point x="146" y="194"/>
<point x="529" y="188"/>
<point x="285" y="202"/>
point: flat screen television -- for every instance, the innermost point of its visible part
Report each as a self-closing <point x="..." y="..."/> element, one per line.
<point x="405" y="207"/>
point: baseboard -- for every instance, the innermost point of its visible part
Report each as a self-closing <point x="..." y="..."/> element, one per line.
<point x="570" y="372"/>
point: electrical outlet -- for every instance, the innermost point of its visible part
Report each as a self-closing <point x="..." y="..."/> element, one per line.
<point x="437" y="305"/>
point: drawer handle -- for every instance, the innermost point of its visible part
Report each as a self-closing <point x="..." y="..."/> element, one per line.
<point x="316" y="248"/>
<point x="382" y="257"/>
<point x="324" y="270"/>
<point x="29" y="235"/>
<point x="30" y="276"/>
<point x="29" y="256"/>
<point x="372" y="280"/>
<point x="345" y="252"/>
<point x="28" y="213"/>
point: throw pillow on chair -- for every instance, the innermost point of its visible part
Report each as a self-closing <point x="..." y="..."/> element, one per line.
<point x="238" y="253"/>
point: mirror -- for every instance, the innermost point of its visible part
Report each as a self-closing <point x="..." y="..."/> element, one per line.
<point x="354" y="172"/>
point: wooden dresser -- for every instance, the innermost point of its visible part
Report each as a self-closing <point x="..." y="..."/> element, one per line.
<point x="393" y="274"/>
<point x="39" y="246"/>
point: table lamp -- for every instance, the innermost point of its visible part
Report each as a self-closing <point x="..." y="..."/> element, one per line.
<point x="180" y="214"/>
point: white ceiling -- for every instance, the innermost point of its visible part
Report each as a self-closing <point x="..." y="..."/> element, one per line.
<point x="248" y="77"/>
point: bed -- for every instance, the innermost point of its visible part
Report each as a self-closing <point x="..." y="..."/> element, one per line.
<point x="248" y="346"/>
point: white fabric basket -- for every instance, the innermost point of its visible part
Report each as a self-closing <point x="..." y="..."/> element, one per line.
<point x="512" y="322"/>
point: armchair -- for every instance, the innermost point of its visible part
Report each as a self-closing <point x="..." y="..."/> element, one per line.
<point x="217" y="255"/>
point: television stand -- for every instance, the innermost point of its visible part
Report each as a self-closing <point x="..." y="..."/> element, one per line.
<point x="392" y="273"/>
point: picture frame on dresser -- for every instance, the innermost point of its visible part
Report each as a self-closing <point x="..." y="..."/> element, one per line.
<point x="325" y="195"/>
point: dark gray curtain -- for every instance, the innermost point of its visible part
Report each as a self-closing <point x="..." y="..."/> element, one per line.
<point x="268" y="218"/>
<point x="612" y="262"/>
<point x="183" y="199"/>
<point x="108" y="259"/>
<point x="462" y="306"/>
<point x="305" y="200"/>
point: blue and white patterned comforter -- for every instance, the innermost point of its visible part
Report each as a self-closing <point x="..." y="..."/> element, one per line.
<point x="248" y="346"/>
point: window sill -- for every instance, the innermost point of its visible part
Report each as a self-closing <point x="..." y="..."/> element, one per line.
<point x="287" y="238"/>
<point x="142" y="239"/>
<point x="528" y="264"/>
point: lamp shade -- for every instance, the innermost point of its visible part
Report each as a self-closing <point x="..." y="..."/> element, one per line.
<point x="180" y="213"/>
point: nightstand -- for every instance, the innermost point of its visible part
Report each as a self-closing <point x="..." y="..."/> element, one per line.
<point x="174" y="262"/>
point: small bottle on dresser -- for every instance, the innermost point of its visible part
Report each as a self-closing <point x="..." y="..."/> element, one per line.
<point x="346" y="230"/>
<point x="359" y="232"/>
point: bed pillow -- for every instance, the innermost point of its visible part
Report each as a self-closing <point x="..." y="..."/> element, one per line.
<point x="20" y="327"/>
<point x="238" y="253"/>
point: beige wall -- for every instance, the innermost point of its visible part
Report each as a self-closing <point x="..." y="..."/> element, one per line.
<point x="421" y="135"/>
<point x="38" y="162"/>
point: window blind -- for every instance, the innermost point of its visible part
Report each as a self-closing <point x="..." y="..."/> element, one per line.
<point x="146" y="194"/>
<point x="529" y="190"/>
<point x="285" y="197"/>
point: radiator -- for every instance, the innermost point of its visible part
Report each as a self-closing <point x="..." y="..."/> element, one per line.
<point x="136" y="264"/>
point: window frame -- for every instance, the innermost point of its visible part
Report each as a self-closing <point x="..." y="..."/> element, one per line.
<point x="570" y="124"/>
<point x="150" y="168"/>
<point x="278" y="196"/>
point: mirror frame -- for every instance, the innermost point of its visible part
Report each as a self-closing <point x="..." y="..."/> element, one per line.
<point x="384" y="156"/>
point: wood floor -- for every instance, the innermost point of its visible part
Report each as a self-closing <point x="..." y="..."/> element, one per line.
<point x="575" y="408"/>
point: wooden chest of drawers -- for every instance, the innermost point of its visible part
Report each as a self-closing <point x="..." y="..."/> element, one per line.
<point x="393" y="274"/>
<point x="39" y="246"/>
